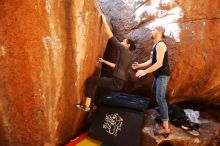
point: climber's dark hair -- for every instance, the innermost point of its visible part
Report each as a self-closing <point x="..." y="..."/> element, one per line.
<point x="132" y="44"/>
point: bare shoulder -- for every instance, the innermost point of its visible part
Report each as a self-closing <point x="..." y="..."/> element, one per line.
<point x="161" y="46"/>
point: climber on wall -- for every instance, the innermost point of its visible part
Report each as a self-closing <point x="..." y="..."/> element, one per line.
<point x="120" y="74"/>
<point x="159" y="66"/>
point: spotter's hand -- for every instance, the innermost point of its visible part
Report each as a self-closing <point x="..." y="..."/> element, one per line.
<point x="140" y="73"/>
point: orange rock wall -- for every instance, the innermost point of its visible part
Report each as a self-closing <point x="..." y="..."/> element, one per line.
<point x="47" y="50"/>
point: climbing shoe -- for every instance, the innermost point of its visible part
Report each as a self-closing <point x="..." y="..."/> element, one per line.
<point x="82" y="107"/>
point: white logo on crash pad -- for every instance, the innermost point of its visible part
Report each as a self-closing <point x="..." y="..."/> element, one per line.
<point x="113" y="124"/>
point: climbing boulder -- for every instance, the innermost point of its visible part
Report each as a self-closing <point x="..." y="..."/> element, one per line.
<point x="47" y="50"/>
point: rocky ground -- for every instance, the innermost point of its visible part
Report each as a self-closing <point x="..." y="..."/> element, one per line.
<point x="209" y="134"/>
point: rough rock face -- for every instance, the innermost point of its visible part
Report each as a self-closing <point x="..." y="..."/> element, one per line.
<point x="47" y="50"/>
<point x="208" y="134"/>
<point x="192" y="29"/>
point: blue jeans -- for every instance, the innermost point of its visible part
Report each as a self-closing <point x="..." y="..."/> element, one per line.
<point x="160" y="86"/>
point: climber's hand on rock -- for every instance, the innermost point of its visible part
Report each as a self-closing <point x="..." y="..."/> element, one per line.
<point x="104" y="18"/>
<point x="101" y="60"/>
<point x="107" y="28"/>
